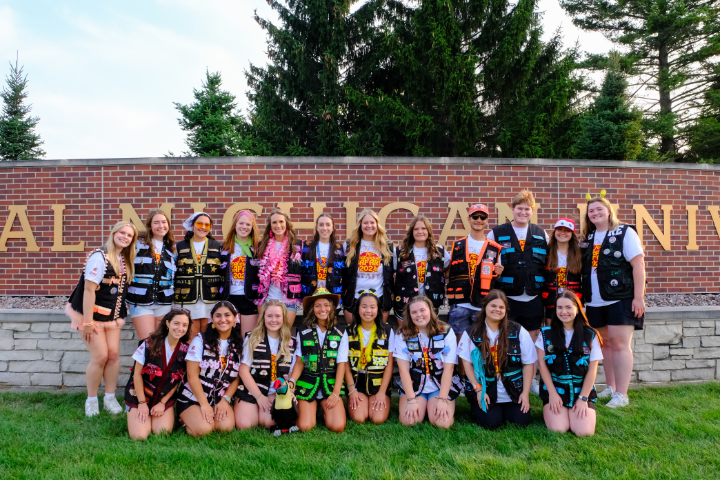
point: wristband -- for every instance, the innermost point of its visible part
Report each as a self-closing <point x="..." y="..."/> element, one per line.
<point x="142" y="402"/>
<point x="354" y="390"/>
<point x="350" y="385"/>
<point x="412" y="401"/>
<point x="478" y="387"/>
<point x="227" y="399"/>
<point x="88" y="324"/>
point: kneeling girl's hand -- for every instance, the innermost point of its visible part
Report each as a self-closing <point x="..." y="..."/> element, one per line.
<point x="555" y="402"/>
<point x="525" y="402"/>
<point x="158" y="410"/>
<point x="354" y="400"/>
<point x="142" y="413"/>
<point x="379" y="401"/>
<point x="222" y="410"/>
<point x="263" y="403"/>
<point x="412" y="412"/>
<point x="580" y="409"/>
<point x="207" y="413"/>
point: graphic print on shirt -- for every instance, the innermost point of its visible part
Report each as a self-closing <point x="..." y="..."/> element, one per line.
<point x="522" y="244"/>
<point x="421" y="269"/>
<point x="369" y="262"/>
<point x="322" y="268"/>
<point x="596" y="256"/>
<point x="156" y="256"/>
<point x="237" y="267"/>
<point x="562" y="277"/>
<point x="493" y="352"/>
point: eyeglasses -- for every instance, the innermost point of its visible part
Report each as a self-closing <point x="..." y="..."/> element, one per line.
<point x="203" y="225"/>
<point x="480" y="216"/>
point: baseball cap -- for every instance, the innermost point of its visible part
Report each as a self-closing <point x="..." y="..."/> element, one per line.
<point x="565" y="222"/>
<point x="478" y="207"/>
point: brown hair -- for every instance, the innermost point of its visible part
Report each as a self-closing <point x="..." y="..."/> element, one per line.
<point x="504" y="329"/>
<point x="580" y="325"/>
<point x="229" y="242"/>
<point x="147" y="235"/>
<point x="589" y="227"/>
<point x="435" y="326"/>
<point x="409" y="240"/>
<point x="574" y="258"/>
<point x="525" y="196"/>
<point x="382" y="244"/>
<point x="316" y="239"/>
<point x="289" y="231"/>
<point x="154" y="342"/>
<point x="311" y="321"/>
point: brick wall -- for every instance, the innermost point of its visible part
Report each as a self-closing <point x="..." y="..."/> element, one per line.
<point x="93" y="190"/>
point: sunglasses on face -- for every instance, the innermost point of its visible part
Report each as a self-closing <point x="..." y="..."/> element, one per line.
<point x="480" y="216"/>
<point x="203" y="225"/>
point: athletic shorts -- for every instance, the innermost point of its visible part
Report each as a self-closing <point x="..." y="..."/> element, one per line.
<point x="618" y="313"/>
<point x="530" y="315"/>
<point x="243" y="305"/>
<point x="155" y="310"/>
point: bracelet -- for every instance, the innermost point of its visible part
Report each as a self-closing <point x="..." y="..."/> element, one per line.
<point x="350" y="385"/>
<point x="142" y="402"/>
<point x="478" y="387"/>
<point x="412" y="401"/>
<point x="336" y="395"/>
<point x="353" y="391"/>
<point x="88" y="324"/>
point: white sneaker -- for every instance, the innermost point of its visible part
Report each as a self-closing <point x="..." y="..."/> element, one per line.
<point x="111" y="405"/>
<point x="607" y="393"/>
<point x="618" y="400"/>
<point x="535" y="387"/>
<point x="92" y="408"/>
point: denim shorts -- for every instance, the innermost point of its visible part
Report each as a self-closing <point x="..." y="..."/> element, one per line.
<point x="461" y="318"/>
<point x="426" y="396"/>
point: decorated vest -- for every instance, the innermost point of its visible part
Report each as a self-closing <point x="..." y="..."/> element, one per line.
<point x="550" y="289"/>
<point x="614" y="273"/>
<point x="350" y="281"/>
<point x="320" y="363"/>
<point x="379" y="357"/>
<point x="524" y="268"/>
<point x="200" y="280"/>
<point x="407" y="280"/>
<point x="158" y="377"/>
<point x="251" y="272"/>
<point x="511" y="374"/>
<point x="568" y="370"/>
<point x="153" y="281"/>
<point x="263" y="369"/>
<point x="214" y="379"/>
<point x="426" y="365"/>
<point x="292" y="289"/>
<point x="109" y="298"/>
<point x="335" y="264"/>
<point x="462" y="287"/>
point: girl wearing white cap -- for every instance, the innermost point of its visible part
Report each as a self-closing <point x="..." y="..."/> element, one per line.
<point x="564" y="263"/>
<point x="200" y="270"/>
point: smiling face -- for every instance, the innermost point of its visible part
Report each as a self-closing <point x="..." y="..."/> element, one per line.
<point x="495" y="310"/>
<point x="478" y="221"/>
<point x="159" y="226"/>
<point x="243" y="227"/>
<point x="325" y="228"/>
<point x="599" y="215"/>
<point x="563" y="235"/>
<point x="273" y="319"/>
<point x="566" y="311"/>
<point x="124" y="237"/>
<point x="369" y="227"/>
<point x="420" y="233"/>
<point x="223" y="319"/>
<point x="201" y="227"/>
<point x="322" y="308"/>
<point x="522" y="212"/>
<point x="278" y="225"/>
<point x="368" y="309"/>
<point x="420" y="314"/>
<point x="178" y="326"/>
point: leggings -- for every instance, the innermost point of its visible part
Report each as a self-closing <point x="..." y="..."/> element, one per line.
<point x="498" y="413"/>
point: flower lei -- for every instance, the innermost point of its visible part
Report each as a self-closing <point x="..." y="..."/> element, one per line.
<point x="273" y="268"/>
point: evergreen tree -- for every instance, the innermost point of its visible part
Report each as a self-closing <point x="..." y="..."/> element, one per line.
<point x="704" y="134"/>
<point x="612" y="128"/>
<point x="671" y="47"/>
<point x="211" y="121"/>
<point x="18" y="140"/>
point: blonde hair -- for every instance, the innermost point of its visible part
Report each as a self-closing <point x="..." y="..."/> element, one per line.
<point x="128" y="253"/>
<point x="525" y="196"/>
<point x="589" y="227"/>
<point x="382" y="244"/>
<point x="258" y="333"/>
<point x="229" y="243"/>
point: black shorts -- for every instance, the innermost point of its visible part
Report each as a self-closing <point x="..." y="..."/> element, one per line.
<point x="361" y="383"/>
<point x="243" y="305"/>
<point x="530" y="315"/>
<point x="619" y="313"/>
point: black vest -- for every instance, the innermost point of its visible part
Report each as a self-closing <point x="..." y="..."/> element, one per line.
<point x="461" y="288"/>
<point x="568" y="370"/>
<point x="379" y="358"/>
<point x="550" y="288"/>
<point x="153" y="281"/>
<point x="407" y="280"/>
<point x="614" y="273"/>
<point x="428" y="367"/>
<point x="109" y="299"/>
<point x="206" y="277"/>
<point x="511" y="374"/>
<point x="523" y="268"/>
<point x="158" y="377"/>
<point x="215" y="381"/>
<point x="350" y="281"/>
<point x="335" y="269"/>
<point x="262" y="365"/>
<point x="320" y="363"/>
<point x="292" y="277"/>
<point x="251" y="270"/>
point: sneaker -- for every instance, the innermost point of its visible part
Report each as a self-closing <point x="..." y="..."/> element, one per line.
<point x="535" y="387"/>
<point x="618" y="400"/>
<point x="92" y="408"/>
<point x="607" y="393"/>
<point x="111" y="405"/>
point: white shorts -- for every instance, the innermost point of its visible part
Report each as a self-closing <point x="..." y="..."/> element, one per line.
<point x="154" y="310"/>
<point x="197" y="310"/>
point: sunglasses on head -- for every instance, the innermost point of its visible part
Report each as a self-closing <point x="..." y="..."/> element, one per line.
<point x="203" y="225"/>
<point x="481" y="216"/>
<point x="181" y="310"/>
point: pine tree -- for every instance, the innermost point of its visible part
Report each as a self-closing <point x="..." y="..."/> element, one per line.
<point x="18" y="140"/>
<point x="612" y="128"/>
<point x="704" y="134"/>
<point x="211" y="121"/>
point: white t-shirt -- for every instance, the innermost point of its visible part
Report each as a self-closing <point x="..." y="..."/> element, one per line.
<point x="324" y="250"/>
<point x="95" y="267"/>
<point x="521" y="234"/>
<point x="237" y="271"/>
<point x="391" y="340"/>
<point x="274" y="346"/>
<point x="528" y="354"/>
<point x="139" y="355"/>
<point x="631" y="249"/>
<point x="474" y="249"/>
<point x="370" y="269"/>
<point x="195" y="352"/>
<point x="449" y="357"/>
<point x="421" y="259"/>
<point x="342" y="349"/>
<point x="595" y="349"/>
<point x="199" y="248"/>
<point x="275" y="292"/>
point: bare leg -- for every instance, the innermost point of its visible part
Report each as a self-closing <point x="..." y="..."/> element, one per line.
<point x="607" y="360"/>
<point x="112" y="366"/>
<point x="361" y="412"/>
<point x="144" y="325"/>
<point x="619" y="338"/>
<point x="136" y="429"/>
<point x="584" y="427"/>
<point x="291" y="317"/>
<point x="164" y="423"/>
<point x="195" y="424"/>
<point x="556" y="423"/>
<point x="307" y="412"/>
<point x="198" y="325"/>
<point x="247" y="323"/>
<point x="265" y="418"/>
<point x="246" y="415"/>
<point x="335" y="417"/>
<point x="379" y="416"/>
<point x="157" y="321"/>
<point x="98" y="358"/>
<point x="422" y="407"/>
<point x="437" y="421"/>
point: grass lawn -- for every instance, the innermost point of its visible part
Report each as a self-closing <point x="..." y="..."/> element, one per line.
<point x="666" y="432"/>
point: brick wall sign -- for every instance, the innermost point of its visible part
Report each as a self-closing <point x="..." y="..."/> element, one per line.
<point x="53" y="212"/>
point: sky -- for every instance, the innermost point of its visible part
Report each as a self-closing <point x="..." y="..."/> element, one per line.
<point x="104" y="76"/>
